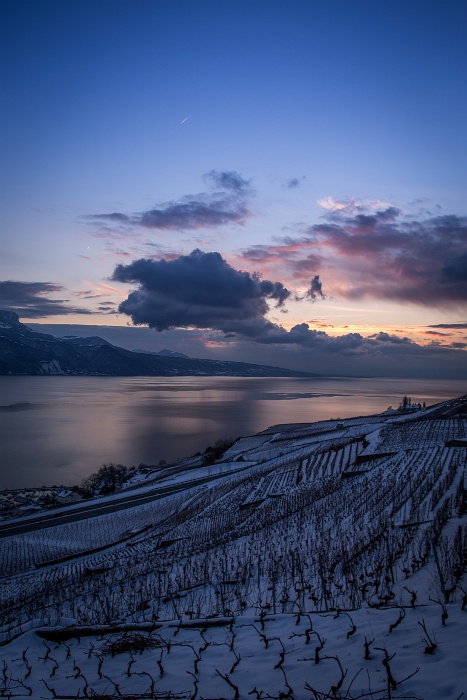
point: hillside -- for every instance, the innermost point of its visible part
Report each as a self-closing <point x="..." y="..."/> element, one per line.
<point x="322" y="560"/>
<point x="26" y="352"/>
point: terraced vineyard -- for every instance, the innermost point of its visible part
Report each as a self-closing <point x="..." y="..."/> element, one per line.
<point x="326" y="519"/>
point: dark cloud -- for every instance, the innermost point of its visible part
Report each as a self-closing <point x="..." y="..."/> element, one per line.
<point x="293" y="182"/>
<point x="194" y="213"/>
<point x="115" y="217"/>
<point x="351" y="344"/>
<point x="311" y="339"/>
<point x="200" y="290"/>
<point x="263" y="254"/>
<point x="380" y="255"/>
<point x="291" y="255"/>
<point x="28" y="299"/>
<point x="315" y="290"/>
<point x="305" y="266"/>
<point x="226" y="204"/>
<point x="423" y="262"/>
<point x="384" y="337"/>
<point x="275" y="290"/>
<point x="455" y="269"/>
<point x="108" y="308"/>
<point x="87" y="294"/>
<point x="228" y="180"/>
<point x="462" y="326"/>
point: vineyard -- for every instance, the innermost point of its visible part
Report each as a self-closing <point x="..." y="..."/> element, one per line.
<point x="332" y="536"/>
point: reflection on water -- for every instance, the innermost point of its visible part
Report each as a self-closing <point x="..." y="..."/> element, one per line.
<point x="57" y="430"/>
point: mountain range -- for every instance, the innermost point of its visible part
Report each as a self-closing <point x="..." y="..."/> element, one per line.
<point x="27" y="352"/>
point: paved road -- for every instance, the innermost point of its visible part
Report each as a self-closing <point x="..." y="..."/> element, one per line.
<point x="90" y="510"/>
<point x="448" y="409"/>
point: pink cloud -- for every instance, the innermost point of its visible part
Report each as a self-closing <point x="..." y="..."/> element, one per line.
<point x="378" y="255"/>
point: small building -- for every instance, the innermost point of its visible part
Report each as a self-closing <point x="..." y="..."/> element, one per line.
<point x="66" y="496"/>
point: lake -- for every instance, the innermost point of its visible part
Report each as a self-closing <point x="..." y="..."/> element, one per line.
<point x="58" y="430"/>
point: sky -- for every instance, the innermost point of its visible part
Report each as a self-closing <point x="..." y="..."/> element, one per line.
<point x="278" y="182"/>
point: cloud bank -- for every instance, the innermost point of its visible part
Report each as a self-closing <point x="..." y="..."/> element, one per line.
<point x="202" y="292"/>
<point x="386" y="256"/>
<point x="226" y="202"/>
<point x="28" y="299"/>
<point x="380" y="254"/>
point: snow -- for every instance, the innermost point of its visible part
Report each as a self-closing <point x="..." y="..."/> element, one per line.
<point x="272" y="654"/>
<point x="51" y="367"/>
<point x="325" y="563"/>
<point x="244" y="445"/>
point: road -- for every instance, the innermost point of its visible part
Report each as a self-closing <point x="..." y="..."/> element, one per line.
<point x="91" y="510"/>
<point x="448" y="409"/>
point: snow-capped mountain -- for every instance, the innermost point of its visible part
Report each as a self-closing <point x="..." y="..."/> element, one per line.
<point x="23" y="351"/>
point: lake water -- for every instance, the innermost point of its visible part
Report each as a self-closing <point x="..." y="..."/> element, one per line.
<point x="58" y="430"/>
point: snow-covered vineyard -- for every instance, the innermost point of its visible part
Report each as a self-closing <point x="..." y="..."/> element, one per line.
<point x="331" y="566"/>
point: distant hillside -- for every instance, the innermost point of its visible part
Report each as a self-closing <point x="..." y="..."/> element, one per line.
<point x="164" y="353"/>
<point x="26" y="352"/>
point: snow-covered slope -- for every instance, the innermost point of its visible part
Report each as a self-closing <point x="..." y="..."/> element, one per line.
<point x="332" y="566"/>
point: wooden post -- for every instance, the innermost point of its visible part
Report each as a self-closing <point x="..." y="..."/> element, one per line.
<point x="441" y="578"/>
<point x="323" y="583"/>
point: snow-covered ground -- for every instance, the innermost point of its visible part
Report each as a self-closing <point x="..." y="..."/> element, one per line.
<point x="331" y="566"/>
<point x="277" y="656"/>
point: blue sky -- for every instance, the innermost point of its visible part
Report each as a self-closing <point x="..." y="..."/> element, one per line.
<point x="320" y="145"/>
